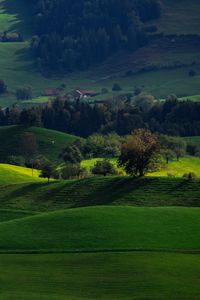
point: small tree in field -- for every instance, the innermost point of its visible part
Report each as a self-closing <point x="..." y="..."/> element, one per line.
<point x="104" y="168"/>
<point x="48" y="171"/>
<point x="139" y="153"/>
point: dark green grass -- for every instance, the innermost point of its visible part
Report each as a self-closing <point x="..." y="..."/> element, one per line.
<point x="6" y="214"/>
<point x="50" y="142"/>
<point x="157" y="191"/>
<point x="109" y="276"/>
<point x="104" y="228"/>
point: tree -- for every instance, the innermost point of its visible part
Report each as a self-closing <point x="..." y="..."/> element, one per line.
<point x="28" y="146"/>
<point x="71" y="154"/>
<point x="24" y="93"/>
<point x="104" y="167"/>
<point x="72" y="170"/>
<point x="116" y="87"/>
<point x="48" y="171"/>
<point x="139" y="152"/>
<point x="3" y="87"/>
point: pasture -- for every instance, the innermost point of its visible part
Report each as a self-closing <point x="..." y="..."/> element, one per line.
<point x="107" y="276"/>
<point x="50" y="142"/>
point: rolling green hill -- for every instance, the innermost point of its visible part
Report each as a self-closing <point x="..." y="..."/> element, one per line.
<point x="94" y="191"/>
<point x="10" y="174"/>
<point x="104" y="228"/>
<point x="50" y="142"/>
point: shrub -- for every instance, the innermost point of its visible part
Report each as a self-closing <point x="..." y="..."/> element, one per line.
<point x="72" y="171"/>
<point x="192" y="73"/>
<point x="3" y="87"/>
<point x="104" y="91"/>
<point x="16" y="160"/>
<point x="24" y="93"/>
<point x="116" y="87"/>
<point x="104" y="167"/>
<point x="190" y="176"/>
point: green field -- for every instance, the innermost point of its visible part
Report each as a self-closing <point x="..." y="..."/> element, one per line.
<point x="106" y="276"/>
<point x="104" y="228"/>
<point x="50" y="142"/>
<point x="176" y="168"/>
<point x="13" y="174"/>
<point x="150" y="191"/>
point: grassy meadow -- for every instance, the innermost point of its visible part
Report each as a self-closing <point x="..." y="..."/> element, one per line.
<point x="108" y="276"/>
<point x="50" y="142"/>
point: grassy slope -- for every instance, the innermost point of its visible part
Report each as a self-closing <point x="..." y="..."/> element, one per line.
<point x="7" y="214"/>
<point x="50" y="142"/>
<point x="127" y="276"/>
<point x="13" y="174"/>
<point x="102" y="228"/>
<point x="179" y="17"/>
<point x="101" y="191"/>
<point x="176" y="168"/>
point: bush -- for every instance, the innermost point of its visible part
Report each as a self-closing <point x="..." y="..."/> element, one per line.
<point x="73" y="171"/>
<point x="104" y="91"/>
<point x="16" y="160"/>
<point x="190" y="176"/>
<point x="104" y="167"/>
<point x="192" y="73"/>
<point x="116" y="87"/>
<point x="3" y="87"/>
<point x="24" y="93"/>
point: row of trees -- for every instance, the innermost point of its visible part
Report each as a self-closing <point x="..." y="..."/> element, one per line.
<point x="72" y="34"/>
<point x="120" y="115"/>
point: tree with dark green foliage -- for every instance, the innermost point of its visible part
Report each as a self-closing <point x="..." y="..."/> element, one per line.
<point x="71" y="154"/>
<point x="48" y="171"/>
<point x="104" y="167"/>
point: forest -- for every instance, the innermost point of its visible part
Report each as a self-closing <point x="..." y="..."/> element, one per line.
<point x="72" y="35"/>
<point x="172" y="117"/>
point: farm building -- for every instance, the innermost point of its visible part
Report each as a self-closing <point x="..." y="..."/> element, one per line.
<point x="84" y="93"/>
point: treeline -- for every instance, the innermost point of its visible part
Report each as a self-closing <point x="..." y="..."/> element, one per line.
<point x="75" y="34"/>
<point x="172" y="117"/>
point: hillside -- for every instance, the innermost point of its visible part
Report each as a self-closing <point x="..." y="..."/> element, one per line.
<point x="18" y="66"/>
<point x="13" y="174"/>
<point x="104" y="228"/>
<point x="91" y="192"/>
<point x="49" y="142"/>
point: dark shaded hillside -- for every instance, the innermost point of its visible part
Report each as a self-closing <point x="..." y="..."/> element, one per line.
<point x="101" y="191"/>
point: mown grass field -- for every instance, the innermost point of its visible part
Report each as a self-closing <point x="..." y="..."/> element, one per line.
<point x="50" y="142"/>
<point x="107" y="276"/>
<point x="104" y="228"/>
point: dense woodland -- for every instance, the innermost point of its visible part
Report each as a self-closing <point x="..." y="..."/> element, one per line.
<point x="172" y="117"/>
<point x="75" y="34"/>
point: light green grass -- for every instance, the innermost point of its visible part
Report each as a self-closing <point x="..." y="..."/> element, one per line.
<point x="50" y="142"/>
<point x="107" y="276"/>
<point x="181" y="167"/>
<point x="104" y="228"/>
<point x="10" y="174"/>
<point x="176" y="168"/>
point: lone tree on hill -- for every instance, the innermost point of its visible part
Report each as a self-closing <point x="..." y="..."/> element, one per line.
<point x="139" y="153"/>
